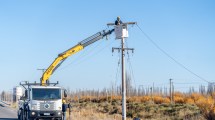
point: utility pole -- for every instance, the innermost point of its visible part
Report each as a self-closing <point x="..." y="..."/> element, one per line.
<point x="172" y="92"/>
<point x="153" y="89"/>
<point x="151" y="94"/>
<point x="121" y="32"/>
<point x="170" y="89"/>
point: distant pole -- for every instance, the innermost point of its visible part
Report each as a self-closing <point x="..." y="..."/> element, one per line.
<point x="151" y="94"/>
<point x="107" y="95"/>
<point x="153" y="89"/>
<point x="170" y="90"/>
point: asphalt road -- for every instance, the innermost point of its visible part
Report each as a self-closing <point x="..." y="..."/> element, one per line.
<point x="7" y="113"/>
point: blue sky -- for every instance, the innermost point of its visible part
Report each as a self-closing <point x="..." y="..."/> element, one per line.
<point x="32" y="33"/>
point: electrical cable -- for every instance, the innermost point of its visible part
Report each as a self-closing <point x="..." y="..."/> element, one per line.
<point x="118" y="70"/>
<point x="165" y="53"/>
<point x="130" y="65"/>
<point x="84" y="54"/>
<point x="187" y="83"/>
<point x="131" y="68"/>
<point x="97" y="52"/>
<point x="81" y="56"/>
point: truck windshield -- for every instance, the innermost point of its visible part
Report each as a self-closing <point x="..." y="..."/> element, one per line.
<point x="45" y="94"/>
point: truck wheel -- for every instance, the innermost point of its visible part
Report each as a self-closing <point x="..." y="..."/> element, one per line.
<point x="28" y="117"/>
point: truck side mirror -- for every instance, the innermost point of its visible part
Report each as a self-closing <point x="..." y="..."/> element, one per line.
<point x="26" y="94"/>
<point x="65" y="93"/>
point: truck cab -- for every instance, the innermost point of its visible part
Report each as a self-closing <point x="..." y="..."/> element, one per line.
<point x="41" y="102"/>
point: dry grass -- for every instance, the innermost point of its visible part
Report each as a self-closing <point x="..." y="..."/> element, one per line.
<point x="147" y="111"/>
<point x="194" y="106"/>
<point x="93" y="111"/>
<point x="91" y="114"/>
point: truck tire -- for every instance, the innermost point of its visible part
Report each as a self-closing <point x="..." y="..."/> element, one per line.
<point x="28" y="117"/>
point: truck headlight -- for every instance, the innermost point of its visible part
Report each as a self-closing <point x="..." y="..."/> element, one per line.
<point x="59" y="113"/>
<point x="32" y="113"/>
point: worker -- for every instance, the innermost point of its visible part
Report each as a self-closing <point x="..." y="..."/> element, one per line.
<point x="118" y="21"/>
<point x="64" y="107"/>
<point x="26" y="109"/>
<point x="70" y="109"/>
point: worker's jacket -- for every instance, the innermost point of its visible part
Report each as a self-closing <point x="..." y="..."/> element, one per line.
<point x="64" y="107"/>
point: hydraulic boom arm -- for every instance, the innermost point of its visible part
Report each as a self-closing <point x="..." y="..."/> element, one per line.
<point x="61" y="57"/>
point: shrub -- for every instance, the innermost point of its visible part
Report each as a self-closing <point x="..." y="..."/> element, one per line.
<point x="196" y="96"/>
<point x="179" y="99"/>
<point x="189" y="101"/>
<point x="158" y="99"/>
<point x="145" y="99"/>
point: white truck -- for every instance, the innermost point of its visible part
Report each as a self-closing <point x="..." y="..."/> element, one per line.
<point x="41" y="102"/>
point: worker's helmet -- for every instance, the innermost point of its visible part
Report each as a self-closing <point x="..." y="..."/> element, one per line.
<point x="118" y="18"/>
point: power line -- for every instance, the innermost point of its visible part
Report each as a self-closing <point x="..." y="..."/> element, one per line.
<point x="196" y="87"/>
<point x="118" y="70"/>
<point x="83" y="55"/>
<point x="149" y="85"/>
<point x="130" y="65"/>
<point x="188" y="83"/>
<point x="131" y="72"/>
<point x="99" y="51"/>
<point x="86" y="56"/>
<point x="165" y="53"/>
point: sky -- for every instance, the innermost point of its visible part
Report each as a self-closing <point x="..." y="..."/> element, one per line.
<point x="33" y="33"/>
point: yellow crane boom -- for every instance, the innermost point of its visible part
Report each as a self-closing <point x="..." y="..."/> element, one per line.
<point x="61" y="57"/>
